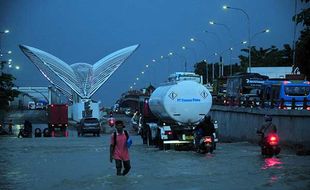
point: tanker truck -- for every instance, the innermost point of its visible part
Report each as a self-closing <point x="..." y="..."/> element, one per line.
<point x="174" y="109"/>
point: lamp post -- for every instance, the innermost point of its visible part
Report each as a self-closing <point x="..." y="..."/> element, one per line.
<point x="251" y="39"/>
<point x="1" y="33"/>
<point x="193" y="50"/>
<point x="225" y="7"/>
<point x="5" y="53"/>
<point x="261" y="32"/>
<point x="231" y="41"/>
<point x="217" y="37"/>
<point x="183" y="57"/>
<point x="200" y="41"/>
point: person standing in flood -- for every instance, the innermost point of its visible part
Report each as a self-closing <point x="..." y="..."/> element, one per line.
<point x="119" y="149"/>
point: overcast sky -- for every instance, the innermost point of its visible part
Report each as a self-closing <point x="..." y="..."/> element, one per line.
<point x="88" y="30"/>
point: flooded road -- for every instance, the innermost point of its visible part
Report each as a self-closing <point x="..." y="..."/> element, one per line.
<point x="83" y="163"/>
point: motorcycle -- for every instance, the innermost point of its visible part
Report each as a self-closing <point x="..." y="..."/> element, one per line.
<point x="270" y="144"/>
<point x="206" y="144"/>
<point x="24" y="133"/>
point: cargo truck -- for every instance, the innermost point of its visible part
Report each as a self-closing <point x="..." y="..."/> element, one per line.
<point x="173" y="110"/>
<point x="58" y="119"/>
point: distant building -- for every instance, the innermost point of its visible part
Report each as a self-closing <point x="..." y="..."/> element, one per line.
<point x="272" y="72"/>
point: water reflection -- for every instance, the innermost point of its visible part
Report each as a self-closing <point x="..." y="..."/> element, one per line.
<point x="272" y="163"/>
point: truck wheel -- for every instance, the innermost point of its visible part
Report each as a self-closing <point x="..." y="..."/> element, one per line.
<point x="149" y="137"/>
<point x="161" y="144"/>
<point x="166" y="146"/>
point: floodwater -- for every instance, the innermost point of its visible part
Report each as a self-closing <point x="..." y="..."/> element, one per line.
<point x="83" y="163"/>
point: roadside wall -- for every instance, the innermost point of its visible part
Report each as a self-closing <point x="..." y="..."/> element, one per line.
<point x="240" y="124"/>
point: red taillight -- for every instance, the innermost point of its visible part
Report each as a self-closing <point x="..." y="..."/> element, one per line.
<point x="111" y="122"/>
<point x="208" y="140"/>
<point x="273" y="139"/>
<point x="168" y="132"/>
<point x="308" y="108"/>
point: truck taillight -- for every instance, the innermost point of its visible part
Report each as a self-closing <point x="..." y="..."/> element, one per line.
<point x="168" y="132"/>
<point x="208" y="140"/>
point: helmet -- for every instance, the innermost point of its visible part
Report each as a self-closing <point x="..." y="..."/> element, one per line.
<point x="268" y="118"/>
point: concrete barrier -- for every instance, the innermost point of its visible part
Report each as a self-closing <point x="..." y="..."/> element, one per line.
<point x="240" y="124"/>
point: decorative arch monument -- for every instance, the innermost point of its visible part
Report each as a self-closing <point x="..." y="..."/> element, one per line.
<point x="82" y="79"/>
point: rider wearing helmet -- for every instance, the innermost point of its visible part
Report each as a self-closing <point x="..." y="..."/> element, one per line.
<point x="268" y="127"/>
<point x="204" y="128"/>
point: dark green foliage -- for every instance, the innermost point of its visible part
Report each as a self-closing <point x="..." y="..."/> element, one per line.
<point x="302" y="51"/>
<point x="6" y="92"/>
<point x="269" y="57"/>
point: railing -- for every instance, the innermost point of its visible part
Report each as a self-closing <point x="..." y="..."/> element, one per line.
<point x="262" y="103"/>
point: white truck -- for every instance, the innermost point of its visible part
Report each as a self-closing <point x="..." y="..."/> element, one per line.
<point x="174" y="109"/>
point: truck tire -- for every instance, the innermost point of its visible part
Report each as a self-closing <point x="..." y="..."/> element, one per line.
<point x="149" y="137"/>
<point x="37" y="132"/>
<point x="166" y="146"/>
<point x="46" y="132"/>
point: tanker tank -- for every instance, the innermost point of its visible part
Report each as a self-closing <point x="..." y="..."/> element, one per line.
<point x="184" y="102"/>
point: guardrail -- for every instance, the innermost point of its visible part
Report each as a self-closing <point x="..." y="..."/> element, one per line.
<point x="262" y="103"/>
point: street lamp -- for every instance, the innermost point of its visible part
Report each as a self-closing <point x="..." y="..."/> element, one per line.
<point x="229" y="31"/>
<point x="5" y="53"/>
<point x="198" y="40"/>
<point x="193" y="50"/>
<point x="225" y="7"/>
<point x="217" y="36"/>
<point x="183" y="57"/>
<point x="1" y="33"/>
<point x="4" y="32"/>
<point x="225" y="26"/>
<point x="251" y="39"/>
<point x="261" y="32"/>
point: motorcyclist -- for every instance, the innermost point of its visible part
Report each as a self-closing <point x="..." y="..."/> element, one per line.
<point x="267" y="128"/>
<point x="27" y="130"/>
<point x="204" y="128"/>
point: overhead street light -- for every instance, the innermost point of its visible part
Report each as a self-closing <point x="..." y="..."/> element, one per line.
<point x="215" y="34"/>
<point x="192" y="49"/>
<point x="183" y="57"/>
<point x="225" y="26"/>
<point x="5" y="53"/>
<point x="2" y="32"/>
<point x="261" y="32"/>
<point x="226" y="7"/>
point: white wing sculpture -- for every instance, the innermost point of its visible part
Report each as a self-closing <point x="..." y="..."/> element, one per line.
<point x="83" y="78"/>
